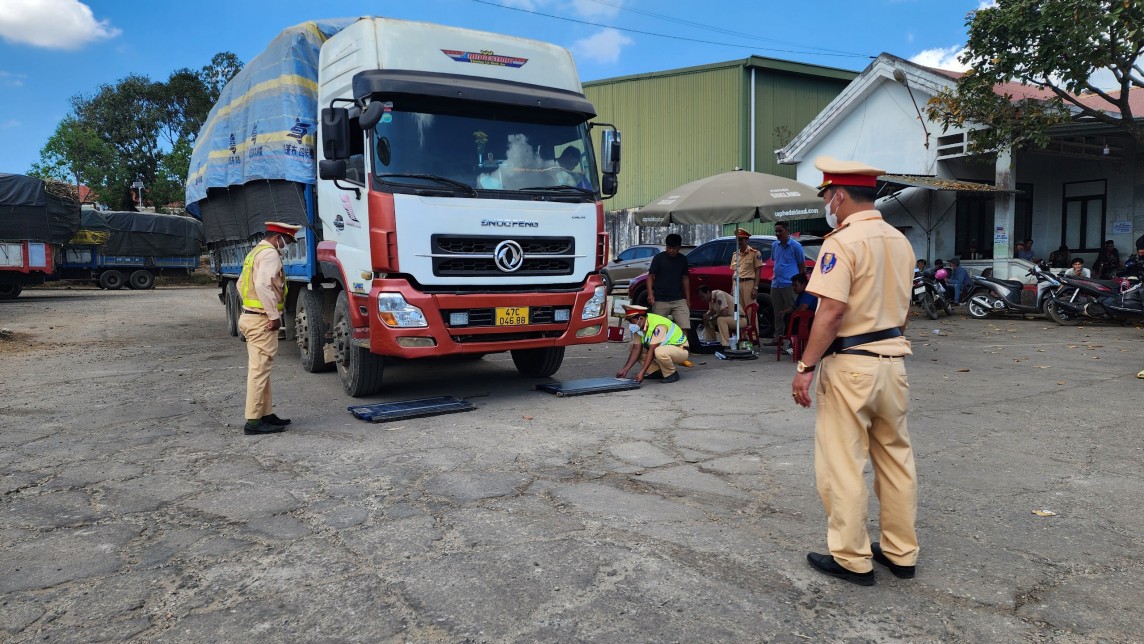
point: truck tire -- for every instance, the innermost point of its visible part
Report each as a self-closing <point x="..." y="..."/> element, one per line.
<point x="111" y="280"/>
<point x="538" y="363"/>
<point x="233" y="308"/>
<point x="10" y="291"/>
<point x="359" y="370"/>
<point x="141" y="280"/>
<point x="310" y="330"/>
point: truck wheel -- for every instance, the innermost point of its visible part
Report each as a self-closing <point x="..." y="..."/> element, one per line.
<point x="538" y="363"/>
<point x="141" y="280"/>
<point x="310" y="328"/>
<point x="10" y="291"/>
<point x="233" y="307"/>
<point x="111" y="280"/>
<point x="359" y="370"/>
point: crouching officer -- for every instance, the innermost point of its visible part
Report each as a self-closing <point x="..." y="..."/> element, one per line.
<point x="658" y="344"/>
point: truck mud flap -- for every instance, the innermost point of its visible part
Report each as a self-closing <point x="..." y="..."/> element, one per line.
<point x="388" y="412"/>
<point x="587" y="386"/>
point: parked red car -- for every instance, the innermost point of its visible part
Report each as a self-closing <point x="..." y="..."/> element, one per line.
<point x="710" y="264"/>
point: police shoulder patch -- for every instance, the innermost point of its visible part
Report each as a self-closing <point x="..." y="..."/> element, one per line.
<point x="827" y="262"/>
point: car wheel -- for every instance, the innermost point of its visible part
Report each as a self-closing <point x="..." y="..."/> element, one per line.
<point x="609" y="285"/>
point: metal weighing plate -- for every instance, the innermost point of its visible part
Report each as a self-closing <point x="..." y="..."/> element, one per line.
<point x="587" y="386"/>
<point x="737" y="354"/>
<point x="386" y="412"/>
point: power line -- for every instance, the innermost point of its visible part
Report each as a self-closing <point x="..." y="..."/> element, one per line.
<point x="730" y="32"/>
<point x="695" y="40"/>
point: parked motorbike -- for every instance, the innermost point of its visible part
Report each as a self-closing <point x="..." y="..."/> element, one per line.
<point x="1121" y="300"/>
<point x="990" y="297"/>
<point x="930" y="294"/>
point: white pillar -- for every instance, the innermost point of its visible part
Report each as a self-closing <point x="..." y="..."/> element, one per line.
<point x="1004" y="207"/>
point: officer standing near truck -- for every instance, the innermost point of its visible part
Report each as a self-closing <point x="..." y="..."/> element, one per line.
<point x="863" y="280"/>
<point x="262" y="287"/>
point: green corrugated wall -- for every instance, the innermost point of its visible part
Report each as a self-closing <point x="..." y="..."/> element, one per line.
<point x="686" y="124"/>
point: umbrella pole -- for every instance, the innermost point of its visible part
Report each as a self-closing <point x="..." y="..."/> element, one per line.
<point x="738" y="340"/>
<point x="734" y="353"/>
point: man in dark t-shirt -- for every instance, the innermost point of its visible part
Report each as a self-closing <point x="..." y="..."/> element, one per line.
<point x="667" y="284"/>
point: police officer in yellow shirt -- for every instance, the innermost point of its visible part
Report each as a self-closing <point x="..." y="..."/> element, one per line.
<point x="862" y="279"/>
<point x="262" y="287"/>
<point x="748" y="265"/>
<point x="658" y="344"/>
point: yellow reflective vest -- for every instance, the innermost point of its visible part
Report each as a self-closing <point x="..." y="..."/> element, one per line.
<point x="246" y="281"/>
<point x="675" y="335"/>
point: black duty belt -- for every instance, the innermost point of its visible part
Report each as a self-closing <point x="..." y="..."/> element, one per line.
<point x="847" y="344"/>
<point x="248" y="311"/>
<point x="746" y="279"/>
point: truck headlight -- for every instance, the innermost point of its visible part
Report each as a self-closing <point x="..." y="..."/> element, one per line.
<point x="594" y="307"/>
<point x="396" y="313"/>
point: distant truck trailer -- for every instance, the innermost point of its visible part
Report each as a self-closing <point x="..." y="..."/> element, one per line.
<point x="36" y="219"/>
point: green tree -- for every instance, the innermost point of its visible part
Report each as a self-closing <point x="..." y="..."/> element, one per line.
<point x="1054" y="45"/>
<point x="136" y="129"/>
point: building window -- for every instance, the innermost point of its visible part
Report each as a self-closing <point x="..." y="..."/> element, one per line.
<point x="1082" y="218"/>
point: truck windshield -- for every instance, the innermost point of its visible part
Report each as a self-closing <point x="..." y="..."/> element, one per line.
<point x="483" y="147"/>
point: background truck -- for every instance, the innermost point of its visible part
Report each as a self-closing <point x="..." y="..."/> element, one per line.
<point x="453" y="205"/>
<point x="114" y="249"/>
<point x="36" y="219"/>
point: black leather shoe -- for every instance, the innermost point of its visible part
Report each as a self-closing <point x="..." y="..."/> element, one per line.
<point x="273" y="419"/>
<point x="258" y="427"/>
<point x="672" y="378"/>
<point x="901" y="572"/>
<point x="653" y="376"/>
<point x="826" y="565"/>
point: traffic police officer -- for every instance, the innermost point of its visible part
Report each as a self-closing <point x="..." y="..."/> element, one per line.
<point x="658" y="344"/>
<point x="748" y="265"/>
<point x="862" y="279"/>
<point x="262" y="287"/>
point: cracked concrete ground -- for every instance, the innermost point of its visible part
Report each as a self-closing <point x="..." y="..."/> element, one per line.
<point x="134" y="508"/>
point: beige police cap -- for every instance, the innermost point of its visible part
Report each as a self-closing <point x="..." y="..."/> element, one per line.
<point x="633" y="310"/>
<point x="846" y="173"/>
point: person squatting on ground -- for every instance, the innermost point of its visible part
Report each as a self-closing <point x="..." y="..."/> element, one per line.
<point x="719" y="319"/>
<point x="863" y="280"/>
<point x="748" y="265"/>
<point x="658" y="344"/>
<point x="262" y="287"/>
<point x="667" y="283"/>
<point x="789" y="260"/>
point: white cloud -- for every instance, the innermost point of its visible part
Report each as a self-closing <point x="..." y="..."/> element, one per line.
<point x="8" y="79"/>
<point x="582" y="8"/>
<point x="986" y="4"/>
<point x="11" y="123"/>
<point x="52" y="24"/>
<point x="947" y="58"/>
<point x="602" y="47"/>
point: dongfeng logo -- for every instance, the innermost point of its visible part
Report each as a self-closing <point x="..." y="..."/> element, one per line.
<point x="508" y="256"/>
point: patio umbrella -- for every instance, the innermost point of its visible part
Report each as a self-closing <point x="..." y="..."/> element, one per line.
<point x="733" y="197"/>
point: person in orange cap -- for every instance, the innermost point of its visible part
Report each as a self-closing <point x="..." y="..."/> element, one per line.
<point x="262" y="287"/>
<point x="863" y="280"/>
<point x="747" y="263"/>
<point x="658" y="344"/>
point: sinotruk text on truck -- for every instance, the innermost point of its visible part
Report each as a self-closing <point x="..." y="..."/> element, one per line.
<point x="446" y="182"/>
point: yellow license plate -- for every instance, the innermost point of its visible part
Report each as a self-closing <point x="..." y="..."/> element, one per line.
<point x="512" y="315"/>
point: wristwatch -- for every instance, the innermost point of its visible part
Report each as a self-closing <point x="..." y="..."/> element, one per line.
<point x="802" y="367"/>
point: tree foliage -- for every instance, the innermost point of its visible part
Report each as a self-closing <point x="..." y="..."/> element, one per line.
<point x="135" y="129"/>
<point x="1052" y="45"/>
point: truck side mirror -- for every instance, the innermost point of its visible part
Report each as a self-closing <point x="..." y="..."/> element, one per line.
<point x="609" y="185"/>
<point x="610" y="146"/>
<point x="336" y="133"/>
<point x="370" y="117"/>
<point x="332" y="170"/>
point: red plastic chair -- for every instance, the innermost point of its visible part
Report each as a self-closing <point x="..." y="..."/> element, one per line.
<point x="798" y="333"/>
<point x="752" y="330"/>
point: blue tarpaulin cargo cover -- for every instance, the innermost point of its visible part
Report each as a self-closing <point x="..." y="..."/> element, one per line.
<point x="264" y="125"/>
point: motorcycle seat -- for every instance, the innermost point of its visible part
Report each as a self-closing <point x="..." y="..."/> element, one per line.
<point x="1013" y="284"/>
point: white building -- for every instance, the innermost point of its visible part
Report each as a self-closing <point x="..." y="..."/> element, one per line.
<point x="1079" y="191"/>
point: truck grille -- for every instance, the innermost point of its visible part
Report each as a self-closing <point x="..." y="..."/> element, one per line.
<point x="474" y="256"/>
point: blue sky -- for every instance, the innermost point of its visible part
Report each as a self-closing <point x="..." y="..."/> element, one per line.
<point x="51" y="50"/>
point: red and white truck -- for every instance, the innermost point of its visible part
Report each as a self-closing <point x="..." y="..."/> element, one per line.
<point x="447" y="185"/>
